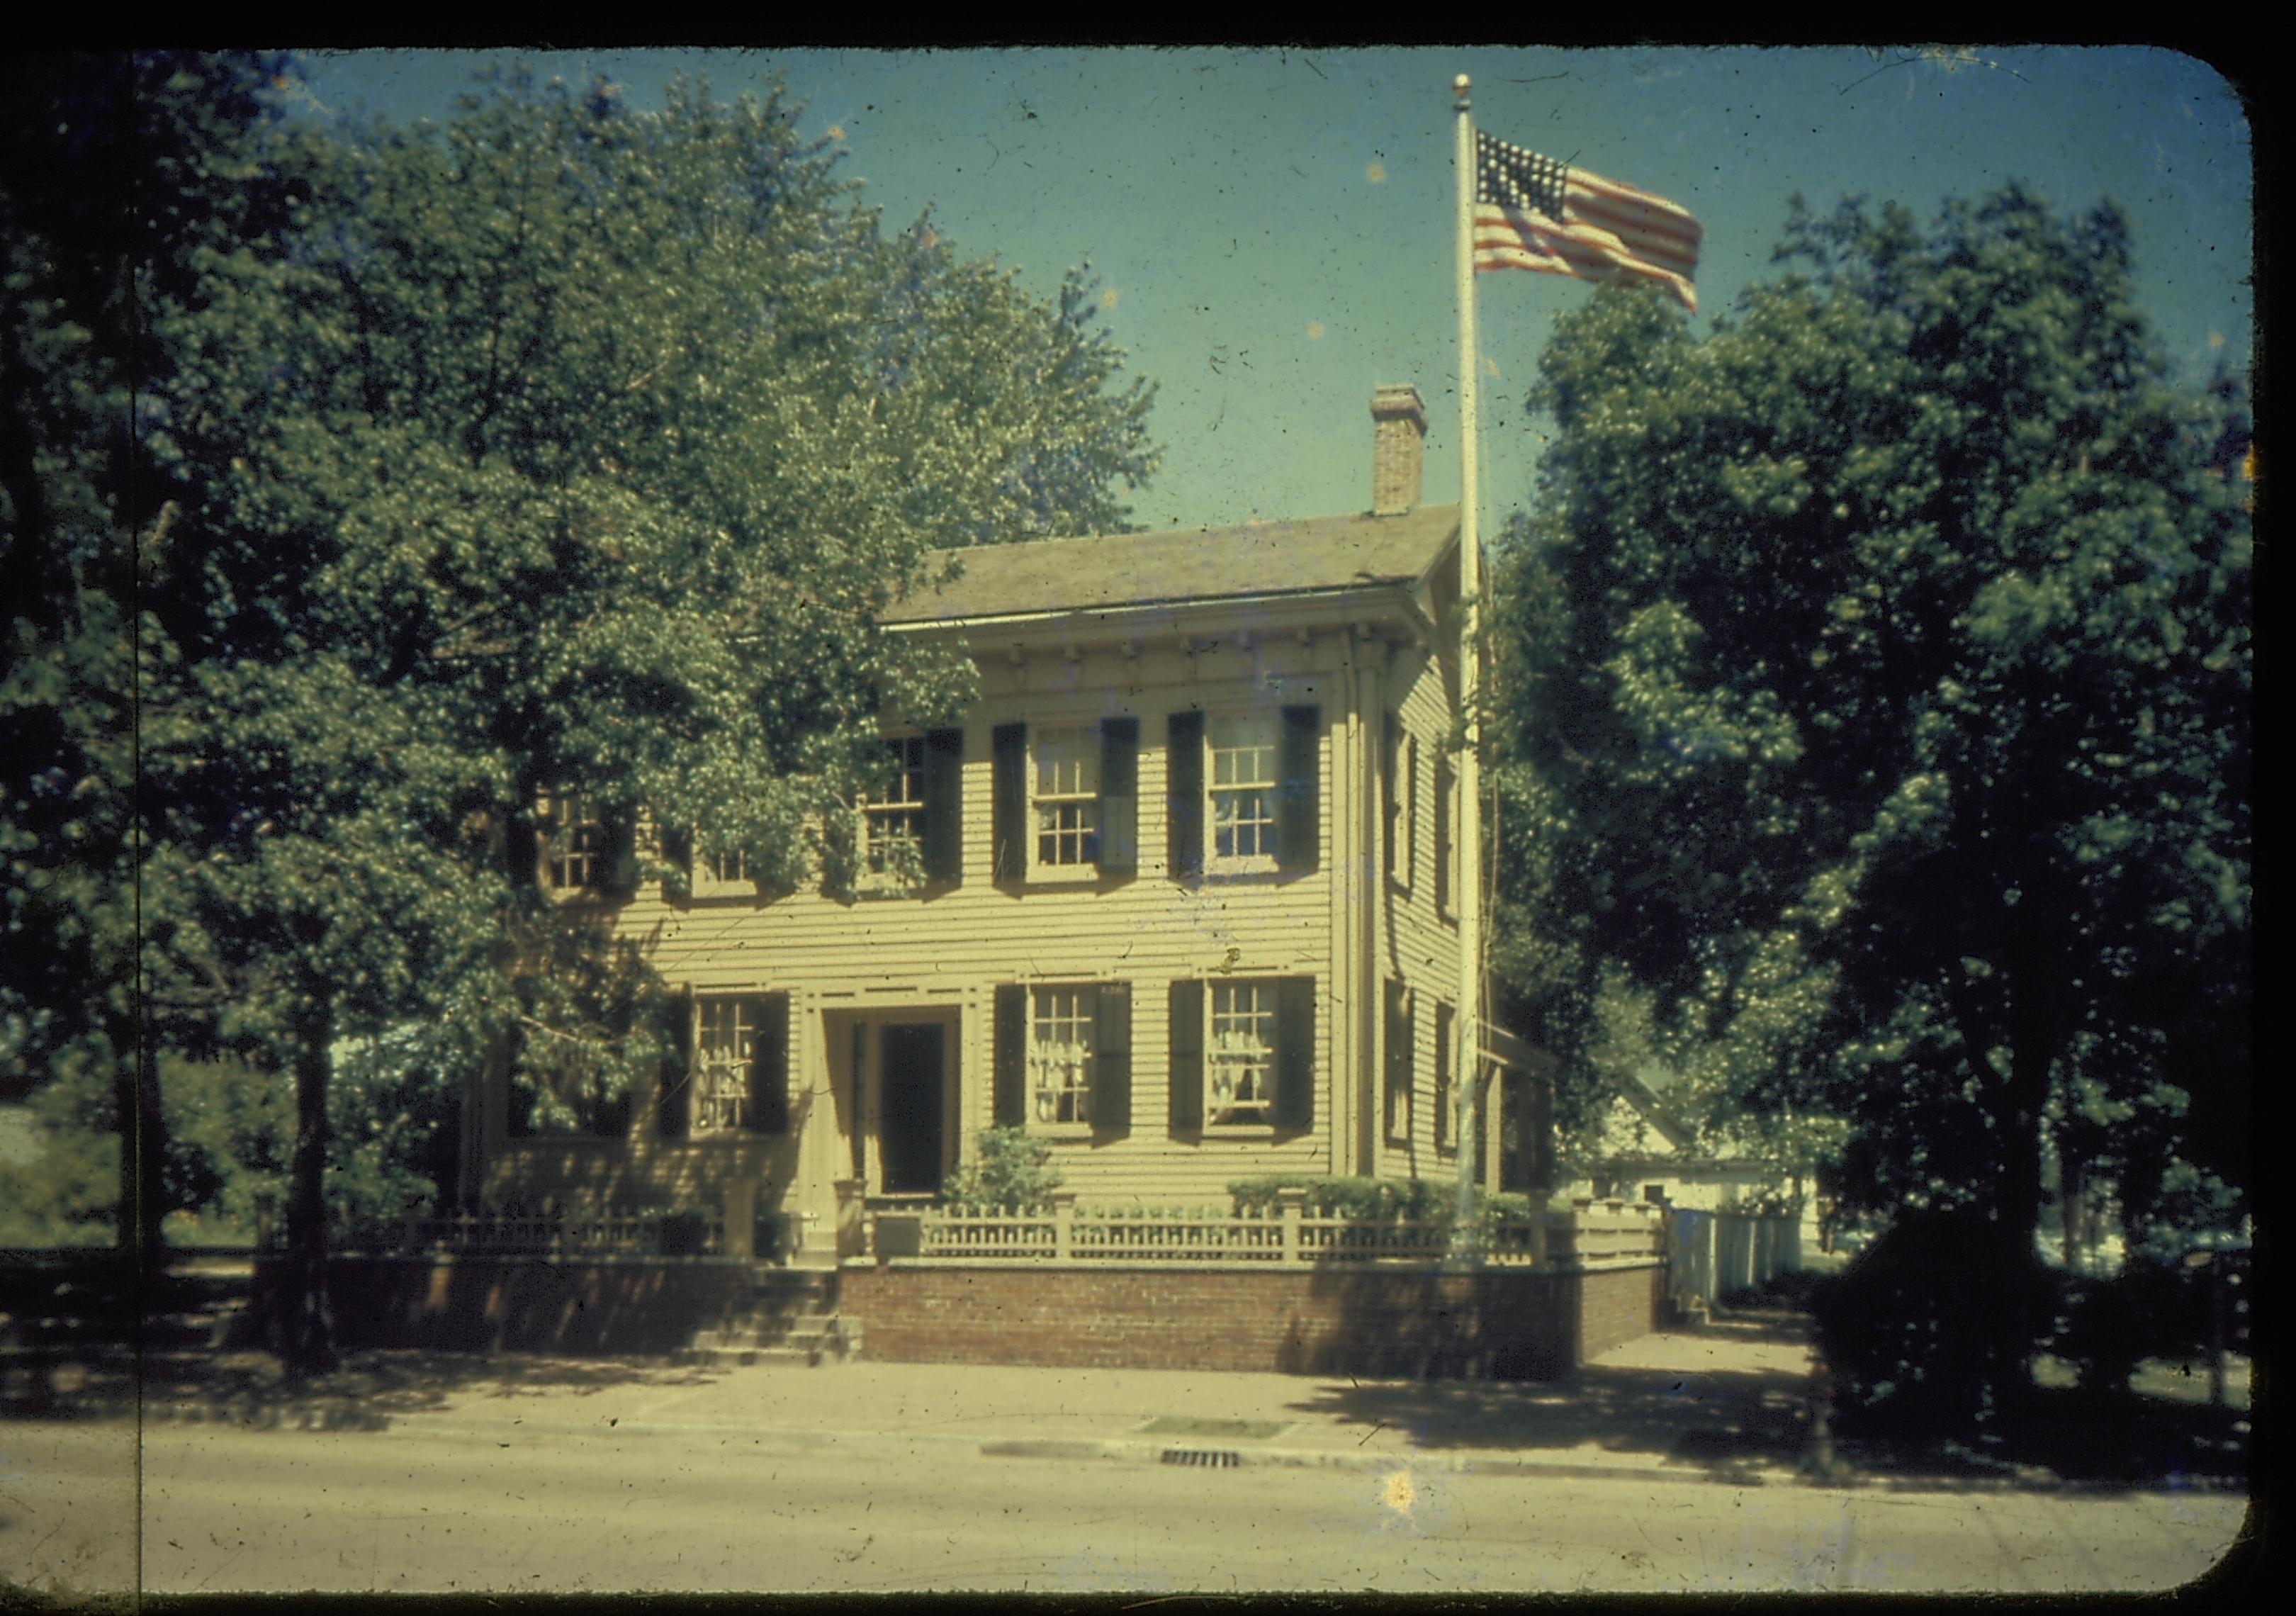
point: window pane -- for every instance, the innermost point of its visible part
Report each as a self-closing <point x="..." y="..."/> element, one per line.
<point x="1061" y="1054"/>
<point x="721" y="1090"/>
<point x="1240" y="1067"/>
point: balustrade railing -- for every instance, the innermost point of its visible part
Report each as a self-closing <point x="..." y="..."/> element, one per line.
<point x="1286" y="1233"/>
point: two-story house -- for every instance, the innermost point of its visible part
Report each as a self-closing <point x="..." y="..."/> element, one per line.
<point x="1182" y="898"/>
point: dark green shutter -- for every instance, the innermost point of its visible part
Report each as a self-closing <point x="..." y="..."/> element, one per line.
<point x="1444" y="806"/>
<point x="1111" y="1080"/>
<point x="1120" y="796"/>
<point x="944" y="839"/>
<point x="1010" y="822"/>
<point x="1295" y="1052"/>
<point x="673" y="1087"/>
<point x="1391" y="801"/>
<point x="1298" y="796"/>
<point x="1183" y="793"/>
<point x="1397" y="1065"/>
<point x="769" y="1101"/>
<point x="676" y="844"/>
<point x="1012" y="1097"/>
<point x="1187" y="1008"/>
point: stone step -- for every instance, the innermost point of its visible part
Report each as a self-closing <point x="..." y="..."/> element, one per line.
<point x="761" y="1334"/>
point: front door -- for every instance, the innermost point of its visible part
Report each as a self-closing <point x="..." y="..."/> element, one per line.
<point x="909" y="1119"/>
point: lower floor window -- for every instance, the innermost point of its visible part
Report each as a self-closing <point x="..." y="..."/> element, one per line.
<point x="1060" y="1037"/>
<point x="1240" y="1075"/>
<point x="727" y="1046"/>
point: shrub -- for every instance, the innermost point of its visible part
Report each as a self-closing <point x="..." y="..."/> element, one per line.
<point x="1377" y="1200"/>
<point x="1011" y="1172"/>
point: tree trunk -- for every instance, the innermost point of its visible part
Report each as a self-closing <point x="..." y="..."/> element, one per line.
<point x="141" y="1232"/>
<point x="305" y="1328"/>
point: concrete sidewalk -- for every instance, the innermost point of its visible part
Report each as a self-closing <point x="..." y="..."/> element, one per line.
<point x="1727" y="1402"/>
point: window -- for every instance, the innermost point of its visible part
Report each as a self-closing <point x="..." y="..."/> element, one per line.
<point x="732" y="1074"/>
<point x="1256" y="777"/>
<point x="1064" y="1056"/>
<point x="727" y="864"/>
<point x="893" y="813"/>
<point x="1445" y="1074"/>
<point x="574" y="853"/>
<point x="1241" y="1079"/>
<point x="1065" y="800"/>
<point x="1061" y="1040"/>
<point x="721" y="1088"/>
<point x="1243" y="786"/>
<point x="1244" y="1054"/>
<point x="1067" y="796"/>
<point x="1400" y="1063"/>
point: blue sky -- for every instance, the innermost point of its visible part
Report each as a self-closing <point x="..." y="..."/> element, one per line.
<point x="1272" y="230"/>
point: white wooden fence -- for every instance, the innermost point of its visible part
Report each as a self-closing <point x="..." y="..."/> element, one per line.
<point x="1709" y="1255"/>
<point x="1602" y="1234"/>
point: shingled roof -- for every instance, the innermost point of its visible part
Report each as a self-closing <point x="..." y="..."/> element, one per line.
<point x="1320" y="553"/>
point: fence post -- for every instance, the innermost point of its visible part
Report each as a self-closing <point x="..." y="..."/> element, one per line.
<point x="1291" y="1202"/>
<point x="1063" y="1224"/>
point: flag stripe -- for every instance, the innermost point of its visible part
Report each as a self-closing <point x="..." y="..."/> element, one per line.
<point x="1532" y="212"/>
<point x="1658" y="252"/>
<point x="1592" y="255"/>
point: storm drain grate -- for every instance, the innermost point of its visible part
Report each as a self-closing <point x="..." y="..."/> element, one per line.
<point x="1216" y="1458"/>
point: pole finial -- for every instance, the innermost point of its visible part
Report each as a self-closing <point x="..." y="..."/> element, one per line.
<point x="1459" y="91"/>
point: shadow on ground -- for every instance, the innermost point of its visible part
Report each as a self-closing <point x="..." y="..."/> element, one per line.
<point x="1721" y="1419"/>
<point x="1738" y="1416"/>
<point x="367" y="1392"/>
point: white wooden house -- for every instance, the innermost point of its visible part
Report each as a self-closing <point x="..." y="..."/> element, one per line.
<point x="1188" y="908"/>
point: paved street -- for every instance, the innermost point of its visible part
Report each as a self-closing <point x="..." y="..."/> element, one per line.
<point x="1670" y="1463"/>
<point x="424" y="1508"/>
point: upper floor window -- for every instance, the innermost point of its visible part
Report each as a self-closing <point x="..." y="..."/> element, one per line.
<point x="1256" y="778"/>
<point x="1243" y="786"/>
<point x="1066" y="799"/>
<point x="1067" y="795"/>
<point x="574" y="850"/>
<point x="893" y="813"/>
<point x="726" y="865"/>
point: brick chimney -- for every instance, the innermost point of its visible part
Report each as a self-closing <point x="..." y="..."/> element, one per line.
<point x="1398" y="433"/>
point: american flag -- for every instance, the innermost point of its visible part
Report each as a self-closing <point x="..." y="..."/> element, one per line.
<point x="1532" y="212"/>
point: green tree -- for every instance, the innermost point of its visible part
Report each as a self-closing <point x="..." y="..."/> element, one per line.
<point x="566" y="449"/>
<point x="1880" y="709"/>
<point x="116" y="172"/>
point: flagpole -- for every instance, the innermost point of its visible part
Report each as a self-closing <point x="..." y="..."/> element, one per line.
<point x="1467" y="1042"/>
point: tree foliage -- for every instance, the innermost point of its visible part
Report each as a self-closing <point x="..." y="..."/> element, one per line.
<point x="1880" y="708"/>
<point x="560" y="447"/>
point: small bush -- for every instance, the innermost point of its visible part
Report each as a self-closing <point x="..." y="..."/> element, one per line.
<point x="1011" y="1172"/>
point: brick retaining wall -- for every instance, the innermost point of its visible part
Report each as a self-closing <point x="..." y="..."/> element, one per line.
<point x="1388" y="1321"/>
<point x="1504" y="1325"/>
<point x="510" y="1304"/>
